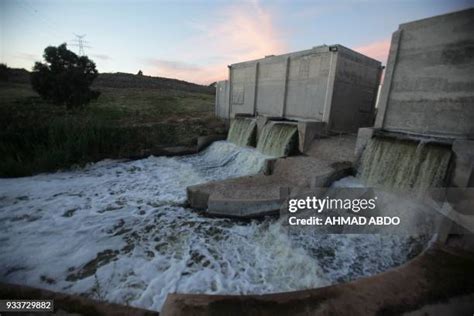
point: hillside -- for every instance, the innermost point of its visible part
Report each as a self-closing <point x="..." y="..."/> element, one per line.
<point x="134" y="116"/>
<point x="125" y="80"/>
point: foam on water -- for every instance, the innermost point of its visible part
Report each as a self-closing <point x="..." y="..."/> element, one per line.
<point x="119" y="231"/>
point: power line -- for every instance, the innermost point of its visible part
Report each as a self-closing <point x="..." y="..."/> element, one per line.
<point x="80" y="43"/>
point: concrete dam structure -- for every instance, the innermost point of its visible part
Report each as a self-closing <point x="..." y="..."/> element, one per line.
<point x="422" y="139"/>
<point x="428" y="87"/>
<point x="280" y="104"/>
<point x="428" y="90"/>
<point x="331" y="85"/>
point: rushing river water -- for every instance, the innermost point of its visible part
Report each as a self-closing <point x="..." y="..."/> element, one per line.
<point x="120" y="232"/>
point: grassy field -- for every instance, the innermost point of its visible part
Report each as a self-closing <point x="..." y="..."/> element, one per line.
<point x="128" y="122"/>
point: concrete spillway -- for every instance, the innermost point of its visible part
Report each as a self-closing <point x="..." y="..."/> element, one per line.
<point x="242" y="132"/>
<point x="400" y="164"/>
<point x="277" y="139"/>
<point x="426" y="93"/>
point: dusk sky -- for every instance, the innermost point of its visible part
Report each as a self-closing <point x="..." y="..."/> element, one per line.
<point x="196" y="40"/>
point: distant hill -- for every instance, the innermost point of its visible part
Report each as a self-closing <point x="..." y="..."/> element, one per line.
<point x="125" y="80"/>
<point x="17" y="75"/>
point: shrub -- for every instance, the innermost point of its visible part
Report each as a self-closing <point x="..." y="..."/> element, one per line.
<point x="64" y="78"/>
<point x="4" y="72"/>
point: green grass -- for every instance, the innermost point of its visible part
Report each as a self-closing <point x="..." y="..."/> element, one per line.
<point x="36" y="136"/>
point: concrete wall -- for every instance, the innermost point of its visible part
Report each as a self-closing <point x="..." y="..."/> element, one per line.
<point x="355" y="91"/>
<point x="306" y="85"/>
<point x="271" y="82"/>
<point x="428" y="91"/>
<point x="429" y="83"/>
<point x="242" y="89"/>
<point x="222" y="99"/>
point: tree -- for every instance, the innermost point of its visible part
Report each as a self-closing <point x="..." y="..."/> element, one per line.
<point x="140" y="73"/>
<point x="64" y="78"/>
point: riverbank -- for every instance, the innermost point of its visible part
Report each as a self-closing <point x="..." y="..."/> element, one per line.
<point x="36" y="136"/>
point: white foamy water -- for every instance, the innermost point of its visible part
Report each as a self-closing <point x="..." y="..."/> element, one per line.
<point x="119" y="231"/>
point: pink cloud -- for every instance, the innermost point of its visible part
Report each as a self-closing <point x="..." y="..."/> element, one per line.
<point x="377" y="50"/>
<point x="246" y="33"/>
<point x="182" y="70"/>
<point x="235" y="33"/>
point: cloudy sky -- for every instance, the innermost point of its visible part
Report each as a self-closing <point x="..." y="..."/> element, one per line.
<point x="195" y="40"/>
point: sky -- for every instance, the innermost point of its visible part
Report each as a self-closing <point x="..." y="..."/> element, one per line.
<point x="196" y="40"/>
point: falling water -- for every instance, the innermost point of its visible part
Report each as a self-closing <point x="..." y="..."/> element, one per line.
<point x="401" y="164"/>
<point x="242" y="132"/>
<point x="278" y="139"/>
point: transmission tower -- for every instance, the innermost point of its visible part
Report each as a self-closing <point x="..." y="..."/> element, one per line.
<point x="80" y="43"/>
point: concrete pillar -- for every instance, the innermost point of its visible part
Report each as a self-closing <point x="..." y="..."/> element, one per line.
<point x="363" y="136"/>
<point x="261" y="121"/>
<point x="307" y="131"/>
<point x="463" y="173"/>
<point x="285" y="86"/>
<point x="460" y="196"/>
<point x="230" y="93"/>
<point x="387" y="81"/>
<point x="216" y="100"/>
<point x="330" y="87"/>
<point x="255" y="87"/>
<point x="269" y="166"/>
